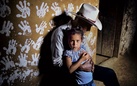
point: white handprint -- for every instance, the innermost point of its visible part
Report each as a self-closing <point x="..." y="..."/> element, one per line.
<point x="7" y="26"/>
<point x="93" y="52"/>
<point x="56" y="9"/>
<point x="51" y="24"/>
<point x="92" y="41"/>
<point x="25" y="73"/>
<point x="4" y="9"/>
<point x="22" y="60"/>
<point x="35" y="73"/>
<point x="24" y="26"/>
<point x="13" y="76"/>
<point x="70" y="7"/>
<point x="41" y="28"/>
<point x="90" y="35"/>
<point x="37" y="45"/>
<point x="35" y="58"/>
<point x="26" y="46"/>
<point x="24" y="9"/>
<point x="7" y="62"/>
<point x="43" y="9"/>
<point x="11" y="47"/>
<point x="77" y="8"/>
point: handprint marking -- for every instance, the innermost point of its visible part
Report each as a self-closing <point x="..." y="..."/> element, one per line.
<point x="24" y="26"/>
<point x="22" y="60"/>
<point x="7" y="62"/>
<point x="26" y="46"/>
<point x="35" y="60"/>
<point x="70" y="7"/>
<point x="41" y="28"/>
<point x="56" y="9"/>
<point x="37" y="45"/>
<point x="23" y="9"/>
<point x="43" y="9"/>
<point x="11" y="47"/>
<point x="7" y="26"/>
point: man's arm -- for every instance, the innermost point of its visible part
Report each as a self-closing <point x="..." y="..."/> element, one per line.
<point x="57" y="47"/>
<point x="87" y="66"/>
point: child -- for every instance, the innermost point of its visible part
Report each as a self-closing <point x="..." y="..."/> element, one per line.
<point x="76" y="56"/>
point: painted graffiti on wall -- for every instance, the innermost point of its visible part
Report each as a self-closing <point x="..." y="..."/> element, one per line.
<point x="18" y="60"/>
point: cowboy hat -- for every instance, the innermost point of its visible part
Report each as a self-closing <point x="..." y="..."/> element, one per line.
<point x="89" y="13"/>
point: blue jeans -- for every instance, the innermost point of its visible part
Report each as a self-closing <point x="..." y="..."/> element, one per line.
<point x="91" y="83"/>
<point x="106" y="75"/>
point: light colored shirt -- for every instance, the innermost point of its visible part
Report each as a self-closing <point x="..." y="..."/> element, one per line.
<point x="57" y="47"/>
<point x="81" y="77"/>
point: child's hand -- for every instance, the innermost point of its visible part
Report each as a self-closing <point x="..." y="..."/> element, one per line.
<point x="85" y="56"/>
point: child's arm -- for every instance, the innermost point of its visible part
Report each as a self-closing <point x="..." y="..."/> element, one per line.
<point x="88" y="65"/>
<point x="73" y="67"/>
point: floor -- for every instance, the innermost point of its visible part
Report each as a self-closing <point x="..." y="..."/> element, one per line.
<point x="124" y="66"/>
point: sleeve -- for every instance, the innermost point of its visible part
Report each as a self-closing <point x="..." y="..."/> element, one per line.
<point x="67" y="53"/>
<point x="57" y="47"/>
<point x="83" y="47"/>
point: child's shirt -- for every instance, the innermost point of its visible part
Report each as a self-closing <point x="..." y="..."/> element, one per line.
<point x="80" y="76"/>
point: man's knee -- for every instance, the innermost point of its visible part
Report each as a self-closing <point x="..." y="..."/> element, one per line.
<point x="110" y="73"/>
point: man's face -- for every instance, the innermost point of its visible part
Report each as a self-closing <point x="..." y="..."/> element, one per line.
<point x="84" y="24"/>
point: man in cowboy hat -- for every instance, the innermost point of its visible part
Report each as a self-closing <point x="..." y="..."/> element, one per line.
<point x="85" y="17"/>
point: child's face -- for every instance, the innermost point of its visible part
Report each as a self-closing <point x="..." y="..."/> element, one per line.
<point x="75" y="42"/>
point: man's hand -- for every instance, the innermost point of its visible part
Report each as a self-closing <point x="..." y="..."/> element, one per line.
<point x="87" y="66"/>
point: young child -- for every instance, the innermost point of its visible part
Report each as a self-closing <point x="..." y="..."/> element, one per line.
<point x="76" y="56"/>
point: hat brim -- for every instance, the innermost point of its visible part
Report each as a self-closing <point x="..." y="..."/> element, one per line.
<point x="96" y="23"/>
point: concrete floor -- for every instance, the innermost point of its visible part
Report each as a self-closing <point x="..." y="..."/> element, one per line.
<point x="124" y="66"/>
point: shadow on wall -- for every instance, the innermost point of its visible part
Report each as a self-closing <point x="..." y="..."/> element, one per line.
<point x="45" y="66"/>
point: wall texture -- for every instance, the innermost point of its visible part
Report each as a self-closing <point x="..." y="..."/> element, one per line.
<point x="23" y="25"/>
<point x="128" y="27"/>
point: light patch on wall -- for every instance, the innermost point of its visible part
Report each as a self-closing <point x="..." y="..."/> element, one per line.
<point x="44" y="8"/>
<point x="24" y="9"/>
<point x="55" y="7"/>
<point x="11" y="47"/>
<point x="41" y="28"/>
<point x="4" y="9"/>
<point x="7" y="26"/>
<point x="25" y="27"/>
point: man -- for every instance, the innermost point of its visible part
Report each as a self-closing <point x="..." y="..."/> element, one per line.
<point x="85" y="17"/>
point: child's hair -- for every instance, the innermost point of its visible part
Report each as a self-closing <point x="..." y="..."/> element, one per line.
<point x="75" y="30"/>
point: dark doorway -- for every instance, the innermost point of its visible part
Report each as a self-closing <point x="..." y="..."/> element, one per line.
<point x="111" y="15"/>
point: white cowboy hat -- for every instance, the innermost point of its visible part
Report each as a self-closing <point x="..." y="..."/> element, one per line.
<point x="89" y="13"/>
